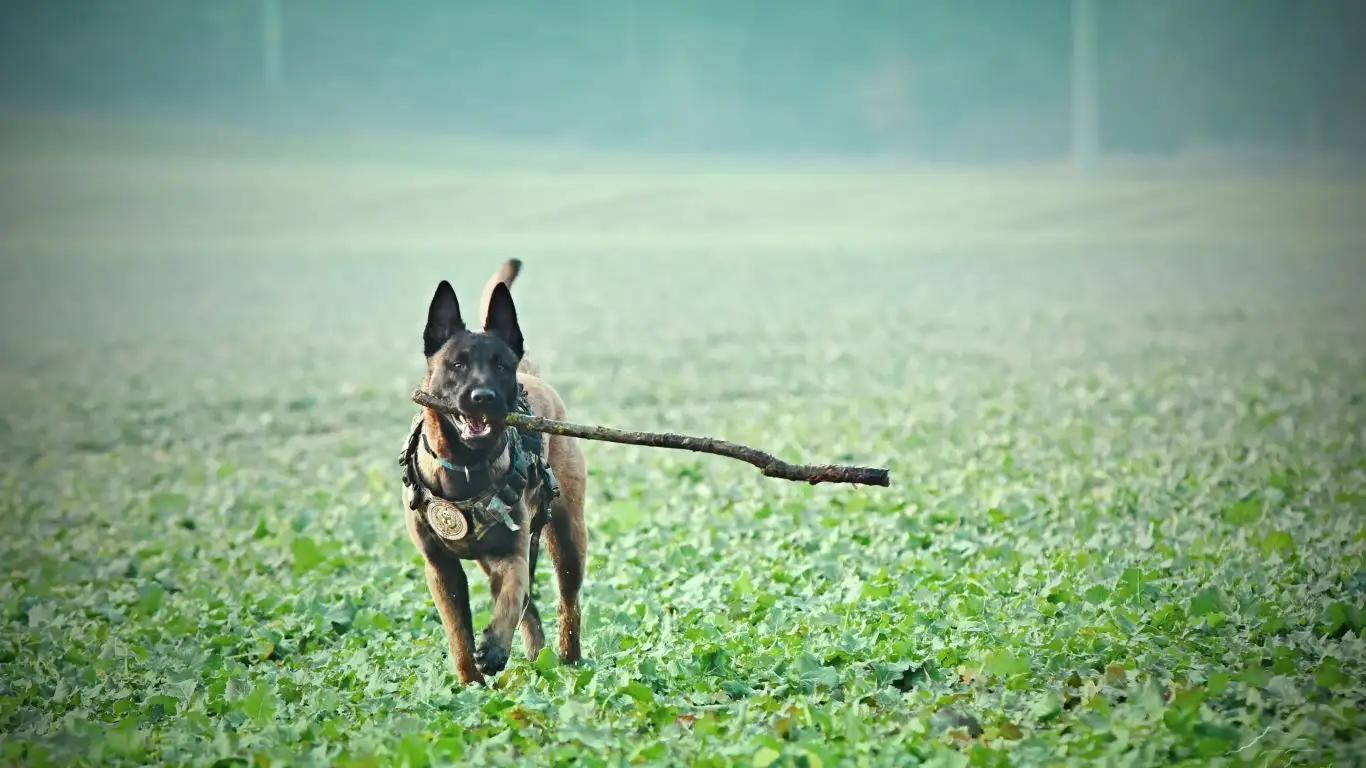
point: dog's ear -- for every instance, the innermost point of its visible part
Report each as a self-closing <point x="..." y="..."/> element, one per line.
<point x="443" y="319"/>
<point x="502" y="319"/>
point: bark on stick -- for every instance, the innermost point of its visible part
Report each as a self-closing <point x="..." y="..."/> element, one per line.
<point x="770" y="465"/>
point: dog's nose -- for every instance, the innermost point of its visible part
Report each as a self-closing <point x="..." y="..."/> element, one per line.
<point x="482" y="396"/>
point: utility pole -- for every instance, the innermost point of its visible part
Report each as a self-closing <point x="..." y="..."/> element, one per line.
<point x="272" y="45"/>
<point x="1085" y="100"/>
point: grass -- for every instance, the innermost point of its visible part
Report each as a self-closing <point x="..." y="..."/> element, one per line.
<point x="1124" y="525"/>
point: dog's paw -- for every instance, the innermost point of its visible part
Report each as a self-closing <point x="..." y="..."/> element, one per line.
<point x="489" y="658"/>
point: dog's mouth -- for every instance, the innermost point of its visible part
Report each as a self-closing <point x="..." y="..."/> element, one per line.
<point x="473" y="426"/>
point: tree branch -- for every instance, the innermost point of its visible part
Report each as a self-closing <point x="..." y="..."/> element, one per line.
<point x="767" y="463"/>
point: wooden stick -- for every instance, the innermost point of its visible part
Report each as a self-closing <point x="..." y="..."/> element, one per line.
<point x="767" y="463"/>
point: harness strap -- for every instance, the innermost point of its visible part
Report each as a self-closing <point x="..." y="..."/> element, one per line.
<point x="533" y="445"/>
<point x="526" y="462"/>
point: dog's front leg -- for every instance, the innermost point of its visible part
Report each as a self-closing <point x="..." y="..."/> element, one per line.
<point x="451" y="592"/>
<point x="508" y="581"/>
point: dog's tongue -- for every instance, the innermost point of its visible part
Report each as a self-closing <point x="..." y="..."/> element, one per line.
<point x="476" y="425"/>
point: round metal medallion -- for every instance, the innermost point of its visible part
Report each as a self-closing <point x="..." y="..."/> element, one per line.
<point x="446" y="521"/>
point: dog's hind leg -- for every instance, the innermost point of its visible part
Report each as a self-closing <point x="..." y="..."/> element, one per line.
<point x="533" y="636"/>
<point x="568" y="542"/>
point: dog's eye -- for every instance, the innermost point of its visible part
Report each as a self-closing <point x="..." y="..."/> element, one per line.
<point x="500" y="365"/>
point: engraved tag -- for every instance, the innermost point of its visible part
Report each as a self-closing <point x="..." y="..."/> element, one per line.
<point x="446" y="521"/>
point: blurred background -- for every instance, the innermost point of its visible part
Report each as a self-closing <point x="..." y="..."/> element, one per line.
<point x="1239" y="83"/>
<point x="158" y="158"/>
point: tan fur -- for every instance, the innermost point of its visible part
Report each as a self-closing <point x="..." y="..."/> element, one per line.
<point x="510" y="577"/>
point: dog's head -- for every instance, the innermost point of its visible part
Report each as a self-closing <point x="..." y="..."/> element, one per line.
<point x="476" y="370"/>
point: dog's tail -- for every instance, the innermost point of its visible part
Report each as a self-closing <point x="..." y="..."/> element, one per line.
<point x="507" y="274"/>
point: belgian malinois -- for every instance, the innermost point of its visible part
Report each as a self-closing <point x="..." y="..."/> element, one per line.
<point x="477" y="489"/>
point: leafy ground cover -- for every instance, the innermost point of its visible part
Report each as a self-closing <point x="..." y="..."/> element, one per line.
<point x="1125" y="525"/>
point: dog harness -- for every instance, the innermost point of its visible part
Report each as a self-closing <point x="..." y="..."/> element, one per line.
<point x="454" y="518"/>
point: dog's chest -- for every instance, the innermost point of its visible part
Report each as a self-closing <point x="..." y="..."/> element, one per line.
<point x="475" y="537"/>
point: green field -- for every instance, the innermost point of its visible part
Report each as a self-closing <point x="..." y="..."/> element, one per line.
<point x="1124" y="421"/>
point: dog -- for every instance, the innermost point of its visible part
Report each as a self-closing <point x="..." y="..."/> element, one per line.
<point x="475" y="489"/>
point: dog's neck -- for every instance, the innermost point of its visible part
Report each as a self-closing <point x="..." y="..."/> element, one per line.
<point x="474" y="471"/>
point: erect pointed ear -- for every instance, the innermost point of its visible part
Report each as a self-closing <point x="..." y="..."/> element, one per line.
<point x="443" y="319"/>
<point x="502" y="319"/>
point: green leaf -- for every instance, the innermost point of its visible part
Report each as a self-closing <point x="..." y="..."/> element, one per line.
<point x="742" y="585"/>
<point x="448" y="748"/>
<point x="764" y="757"/>
<point x="1243" y="513"/>
<point x="876" y="590"/>
<point x="1206" y="601"/>
<point x="880" y="586"/>
<point x="1130" y="583"/>
<point x="1010" y="731"/>
<point x="307" y="554"/>
<point x="1343" y="616"/>
<point x="546" y="660"/>
<point x="1218" y="683"/>
<point x="259" y="705"/>
<point x="150" y="598"/>
<point x="1279" y="542"/>
<point x="161" y="707"/>
<point x="414" y="752"/>
<point x="237" y="688"/>
<point x="811" y="671"/>
<point x="639" y="691"/>
<point x="1188" y="700"/>
<point x="125" y="739"/>
<point x="1213" y="740"/>
<point x="1047" y="706"/>
<point x="1001" y="663"/>
<point x="184" y="690"/>
<point x="1255" y="676"/>
<point x="1330" y="674"/>
<point x="649" y="752"/>
<point x="1097" y="594"/>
